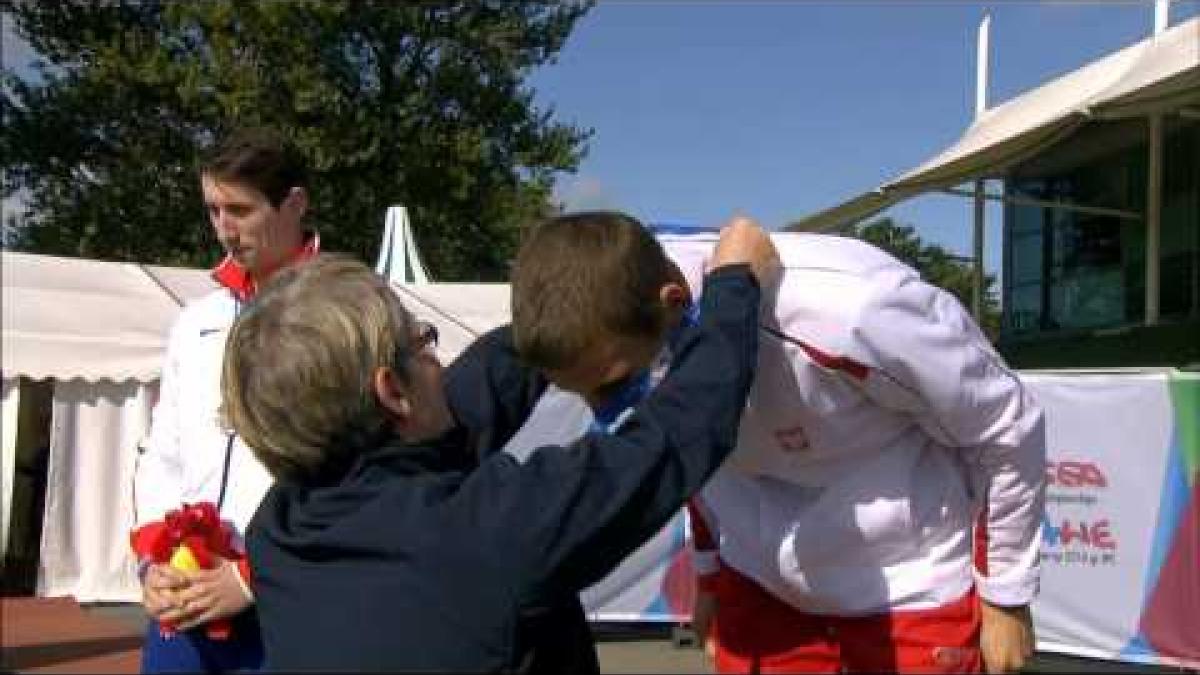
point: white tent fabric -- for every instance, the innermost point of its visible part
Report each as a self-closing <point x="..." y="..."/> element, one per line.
<point x="399" y="262"/>
<point x="461" y="312"/>
<point x="8" y="445"/>
<point x="1160" y="73"/>
<point x="99" y="330"/>
<point x="68" y="318"/>
<point x="89" y="508"/>
<point x="182" y="284"/>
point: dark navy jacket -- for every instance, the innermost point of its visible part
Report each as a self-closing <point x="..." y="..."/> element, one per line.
<point x="451" y="556"/>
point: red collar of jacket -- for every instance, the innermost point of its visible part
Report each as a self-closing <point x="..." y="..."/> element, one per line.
<point x="233" y="276"/>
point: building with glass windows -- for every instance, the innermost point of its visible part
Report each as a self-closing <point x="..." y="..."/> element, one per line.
<point x="1074" y="283"/>
<point x="1101" y="190"/>
<point x="1098" y="172"/>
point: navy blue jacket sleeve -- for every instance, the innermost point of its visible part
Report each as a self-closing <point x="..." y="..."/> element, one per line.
<point x="489" y="391"/>
<point x="570" y="514"/>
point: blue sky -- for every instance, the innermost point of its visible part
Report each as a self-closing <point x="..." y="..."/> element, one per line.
<point x="780" y="109"/>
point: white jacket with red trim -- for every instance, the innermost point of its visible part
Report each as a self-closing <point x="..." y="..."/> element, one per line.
<point x="183" y="460"/>
<point x="190" y="456"/>
<point x="880" y="421"/>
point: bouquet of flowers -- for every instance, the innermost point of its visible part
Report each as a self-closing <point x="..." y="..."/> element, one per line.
<point x="188" y="539"/>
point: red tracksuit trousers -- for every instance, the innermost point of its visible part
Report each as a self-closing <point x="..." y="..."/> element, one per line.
<point x="756" y="633"/>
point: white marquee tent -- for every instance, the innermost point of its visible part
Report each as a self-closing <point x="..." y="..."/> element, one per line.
<point x="97" y="331"/>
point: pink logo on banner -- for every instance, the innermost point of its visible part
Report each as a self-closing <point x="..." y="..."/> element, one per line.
<point x="1071" y="474"/>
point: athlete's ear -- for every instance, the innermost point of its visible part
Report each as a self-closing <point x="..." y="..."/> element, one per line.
<point x="673" y="295"/>
<point x="392" y="397"/>
<point x="295" y="204"/>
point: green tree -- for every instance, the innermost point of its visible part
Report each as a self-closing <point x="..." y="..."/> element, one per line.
<point x="420" y="104"/>
<point x="936" y="265"/>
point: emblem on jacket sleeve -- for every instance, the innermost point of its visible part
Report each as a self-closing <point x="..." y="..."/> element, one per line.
<point x="791" y="439"/>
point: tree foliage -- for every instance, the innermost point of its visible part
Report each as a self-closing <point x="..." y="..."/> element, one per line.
<point x="936" y="265"/>
<point x="419" y="104"/>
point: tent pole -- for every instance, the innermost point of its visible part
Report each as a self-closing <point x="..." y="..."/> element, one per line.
<point x="1154" y="184"/>
<point x="1162" y="15"/>
<point x="1154" y="180"/>
<point x="1048" y="203"/>
<point x="977" y="272"/>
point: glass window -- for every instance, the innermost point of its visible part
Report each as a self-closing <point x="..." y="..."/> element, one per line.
<point x="1070" y="269"/>
<point x="1179" y="268"/>
<point x="1023" y="269"/>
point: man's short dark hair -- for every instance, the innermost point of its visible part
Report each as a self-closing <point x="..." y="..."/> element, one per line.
<point x="584" y="277"/>
<point x="260" y="158"/>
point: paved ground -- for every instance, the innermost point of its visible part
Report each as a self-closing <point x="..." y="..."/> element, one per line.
<point x="633" y="650"/>
<point x="642" y="649"/>
<point x="659" y="656"/>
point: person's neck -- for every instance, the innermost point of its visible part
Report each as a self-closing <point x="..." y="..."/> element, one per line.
<point x="262" y="276"/>
<point x="424" y="436"/>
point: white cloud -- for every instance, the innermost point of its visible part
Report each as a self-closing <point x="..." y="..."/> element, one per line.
<point x="584" y="193"/>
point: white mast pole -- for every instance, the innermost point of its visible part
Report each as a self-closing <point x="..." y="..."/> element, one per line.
<point x="981" y="87"/>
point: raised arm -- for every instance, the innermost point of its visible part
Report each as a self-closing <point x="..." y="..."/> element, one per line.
<point x="569" y="515"/>
<point x="490" y="393"/>
<point x="578" y="510"/>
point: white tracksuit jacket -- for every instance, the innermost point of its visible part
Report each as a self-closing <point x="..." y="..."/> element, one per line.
<point x="873" y="432"/>
<point x="876" y="428"/>
<point x="184" y="456"/>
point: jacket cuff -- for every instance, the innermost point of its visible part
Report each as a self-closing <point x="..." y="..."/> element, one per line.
<point x="143" y="567"/>
<point x="1010" y="590"/>
<point x="243" y="575"/>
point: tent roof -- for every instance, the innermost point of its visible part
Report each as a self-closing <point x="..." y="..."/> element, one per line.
<point x="71" y="318"/>
<point x="181" y="283"/>
<point x="1158" y="74"/>
<point x="461" y="312"/>
<point x="68" y="318"/>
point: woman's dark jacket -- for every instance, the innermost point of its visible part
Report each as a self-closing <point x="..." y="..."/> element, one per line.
<point x="452" y="556"/>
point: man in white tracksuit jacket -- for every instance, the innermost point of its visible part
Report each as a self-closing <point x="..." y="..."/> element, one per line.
<point x="881" y="427"/>
<point x="254" y="192"/>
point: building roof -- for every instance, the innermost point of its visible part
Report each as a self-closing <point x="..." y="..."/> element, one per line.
<point x="1158" y="74"/>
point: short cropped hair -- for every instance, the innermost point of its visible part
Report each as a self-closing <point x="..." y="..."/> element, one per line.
<point x="583" y="277"/>
<point x="297" y="378"/>
<point x="260" y="158"/>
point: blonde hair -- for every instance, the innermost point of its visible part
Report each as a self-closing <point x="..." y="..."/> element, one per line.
<point x="297" y="378"/>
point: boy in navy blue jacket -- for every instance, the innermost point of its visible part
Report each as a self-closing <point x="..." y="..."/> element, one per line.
<point x="395" y="538"/>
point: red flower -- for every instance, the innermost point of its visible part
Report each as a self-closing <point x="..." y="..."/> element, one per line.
<point x="199" y="527"/>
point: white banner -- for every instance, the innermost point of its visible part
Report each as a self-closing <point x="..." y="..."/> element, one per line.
<point x="655" y="583"/>
<point x="1115" y="526"/>
<point x="1120" y="538"/>
<point x="1107" y="439"/>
